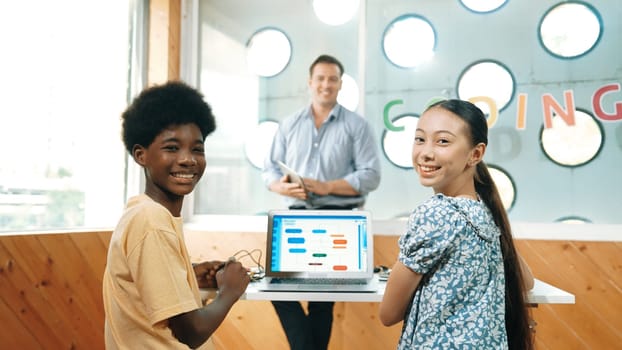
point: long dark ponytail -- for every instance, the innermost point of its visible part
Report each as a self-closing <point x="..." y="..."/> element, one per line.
<point x="516" y="312"/>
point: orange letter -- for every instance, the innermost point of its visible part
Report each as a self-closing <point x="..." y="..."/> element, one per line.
<point x="548" y="103"/>
<point x="597" y="103"/>
<point x="494" y="113"/>
<point x="520" y="111"/>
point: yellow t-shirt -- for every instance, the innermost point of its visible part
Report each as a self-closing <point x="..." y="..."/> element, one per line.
<point x="148" y="278"/>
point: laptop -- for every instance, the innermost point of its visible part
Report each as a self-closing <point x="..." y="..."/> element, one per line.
<point x="319" y="251"/>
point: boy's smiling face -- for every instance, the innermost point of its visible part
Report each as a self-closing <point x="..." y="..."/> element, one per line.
<point x="173" y="163"/>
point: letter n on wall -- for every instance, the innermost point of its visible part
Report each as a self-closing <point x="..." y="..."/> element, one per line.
<point x="549" y="104"/>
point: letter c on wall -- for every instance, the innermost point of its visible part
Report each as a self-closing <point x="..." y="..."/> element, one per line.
<point x="387" y="120"/>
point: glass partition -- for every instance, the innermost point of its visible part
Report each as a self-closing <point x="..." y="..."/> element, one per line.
<point x="399" y="56"/>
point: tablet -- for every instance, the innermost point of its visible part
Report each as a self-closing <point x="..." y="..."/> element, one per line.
<point x="293" y="176"/>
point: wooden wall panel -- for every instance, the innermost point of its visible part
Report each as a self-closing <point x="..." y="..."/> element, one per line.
<point x="22" y="304"/>
<point x="51" y="294"/>
<point x="594" y="322"/>
<point x="52" y="290"/>
<point x="164" y="41"/>
<point x="14" y="334"/>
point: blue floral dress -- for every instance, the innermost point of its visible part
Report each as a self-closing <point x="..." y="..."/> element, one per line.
<point x="460" y="302"/>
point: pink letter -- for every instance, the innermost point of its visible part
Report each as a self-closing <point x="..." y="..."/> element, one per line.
<point x="548" y="103"/>
<point x="598" y="107"/>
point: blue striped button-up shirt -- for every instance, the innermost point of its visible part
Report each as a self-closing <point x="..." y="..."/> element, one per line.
<point x="342" y="148"/>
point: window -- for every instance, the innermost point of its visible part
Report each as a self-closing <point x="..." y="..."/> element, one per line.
<point x="65" y="84"/>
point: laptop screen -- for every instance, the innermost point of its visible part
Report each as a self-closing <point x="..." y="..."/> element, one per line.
<point x="319" y="243"/>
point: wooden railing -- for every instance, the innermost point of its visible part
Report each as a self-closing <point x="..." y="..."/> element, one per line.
<point x="51" y="294"/>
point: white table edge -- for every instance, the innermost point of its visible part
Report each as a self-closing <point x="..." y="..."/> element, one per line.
<point x="542" y="293"/>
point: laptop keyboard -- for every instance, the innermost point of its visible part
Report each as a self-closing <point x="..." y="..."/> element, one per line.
<point x="318" y="281"/>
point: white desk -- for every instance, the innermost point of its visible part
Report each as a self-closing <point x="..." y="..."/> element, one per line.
<point x="542" y="293"/>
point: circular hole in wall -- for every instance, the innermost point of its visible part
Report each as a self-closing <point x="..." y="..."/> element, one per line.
<point x="570" y="29"/>
<point x="258" y="144"/>
<point x="505" y="186"/>
<point x="487" y="78"/>
<point x="397" y="145"/>
<point x="408" y="41"/>
<point x="349" y="93"/>
<point x="572" y="145"/>
<point x="573" y="219"/>
<point x="335" y="12"/>
<point x="483" y="6"/>
<point x="268" y="52"/>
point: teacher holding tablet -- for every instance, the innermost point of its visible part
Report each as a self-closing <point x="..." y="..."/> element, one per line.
<point x="333" y="150"/>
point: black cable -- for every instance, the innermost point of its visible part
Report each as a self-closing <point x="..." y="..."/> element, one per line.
<point x="254" y="275"/>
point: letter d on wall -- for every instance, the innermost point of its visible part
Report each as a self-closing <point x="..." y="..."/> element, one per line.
<point x="492" y="105"/>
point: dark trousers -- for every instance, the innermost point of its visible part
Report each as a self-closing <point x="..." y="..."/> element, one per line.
<point x="309" y="331"/>
<point x="306" y="331"/>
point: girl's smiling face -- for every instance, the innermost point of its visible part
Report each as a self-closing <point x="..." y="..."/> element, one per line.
<point x="443" y="154"/>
